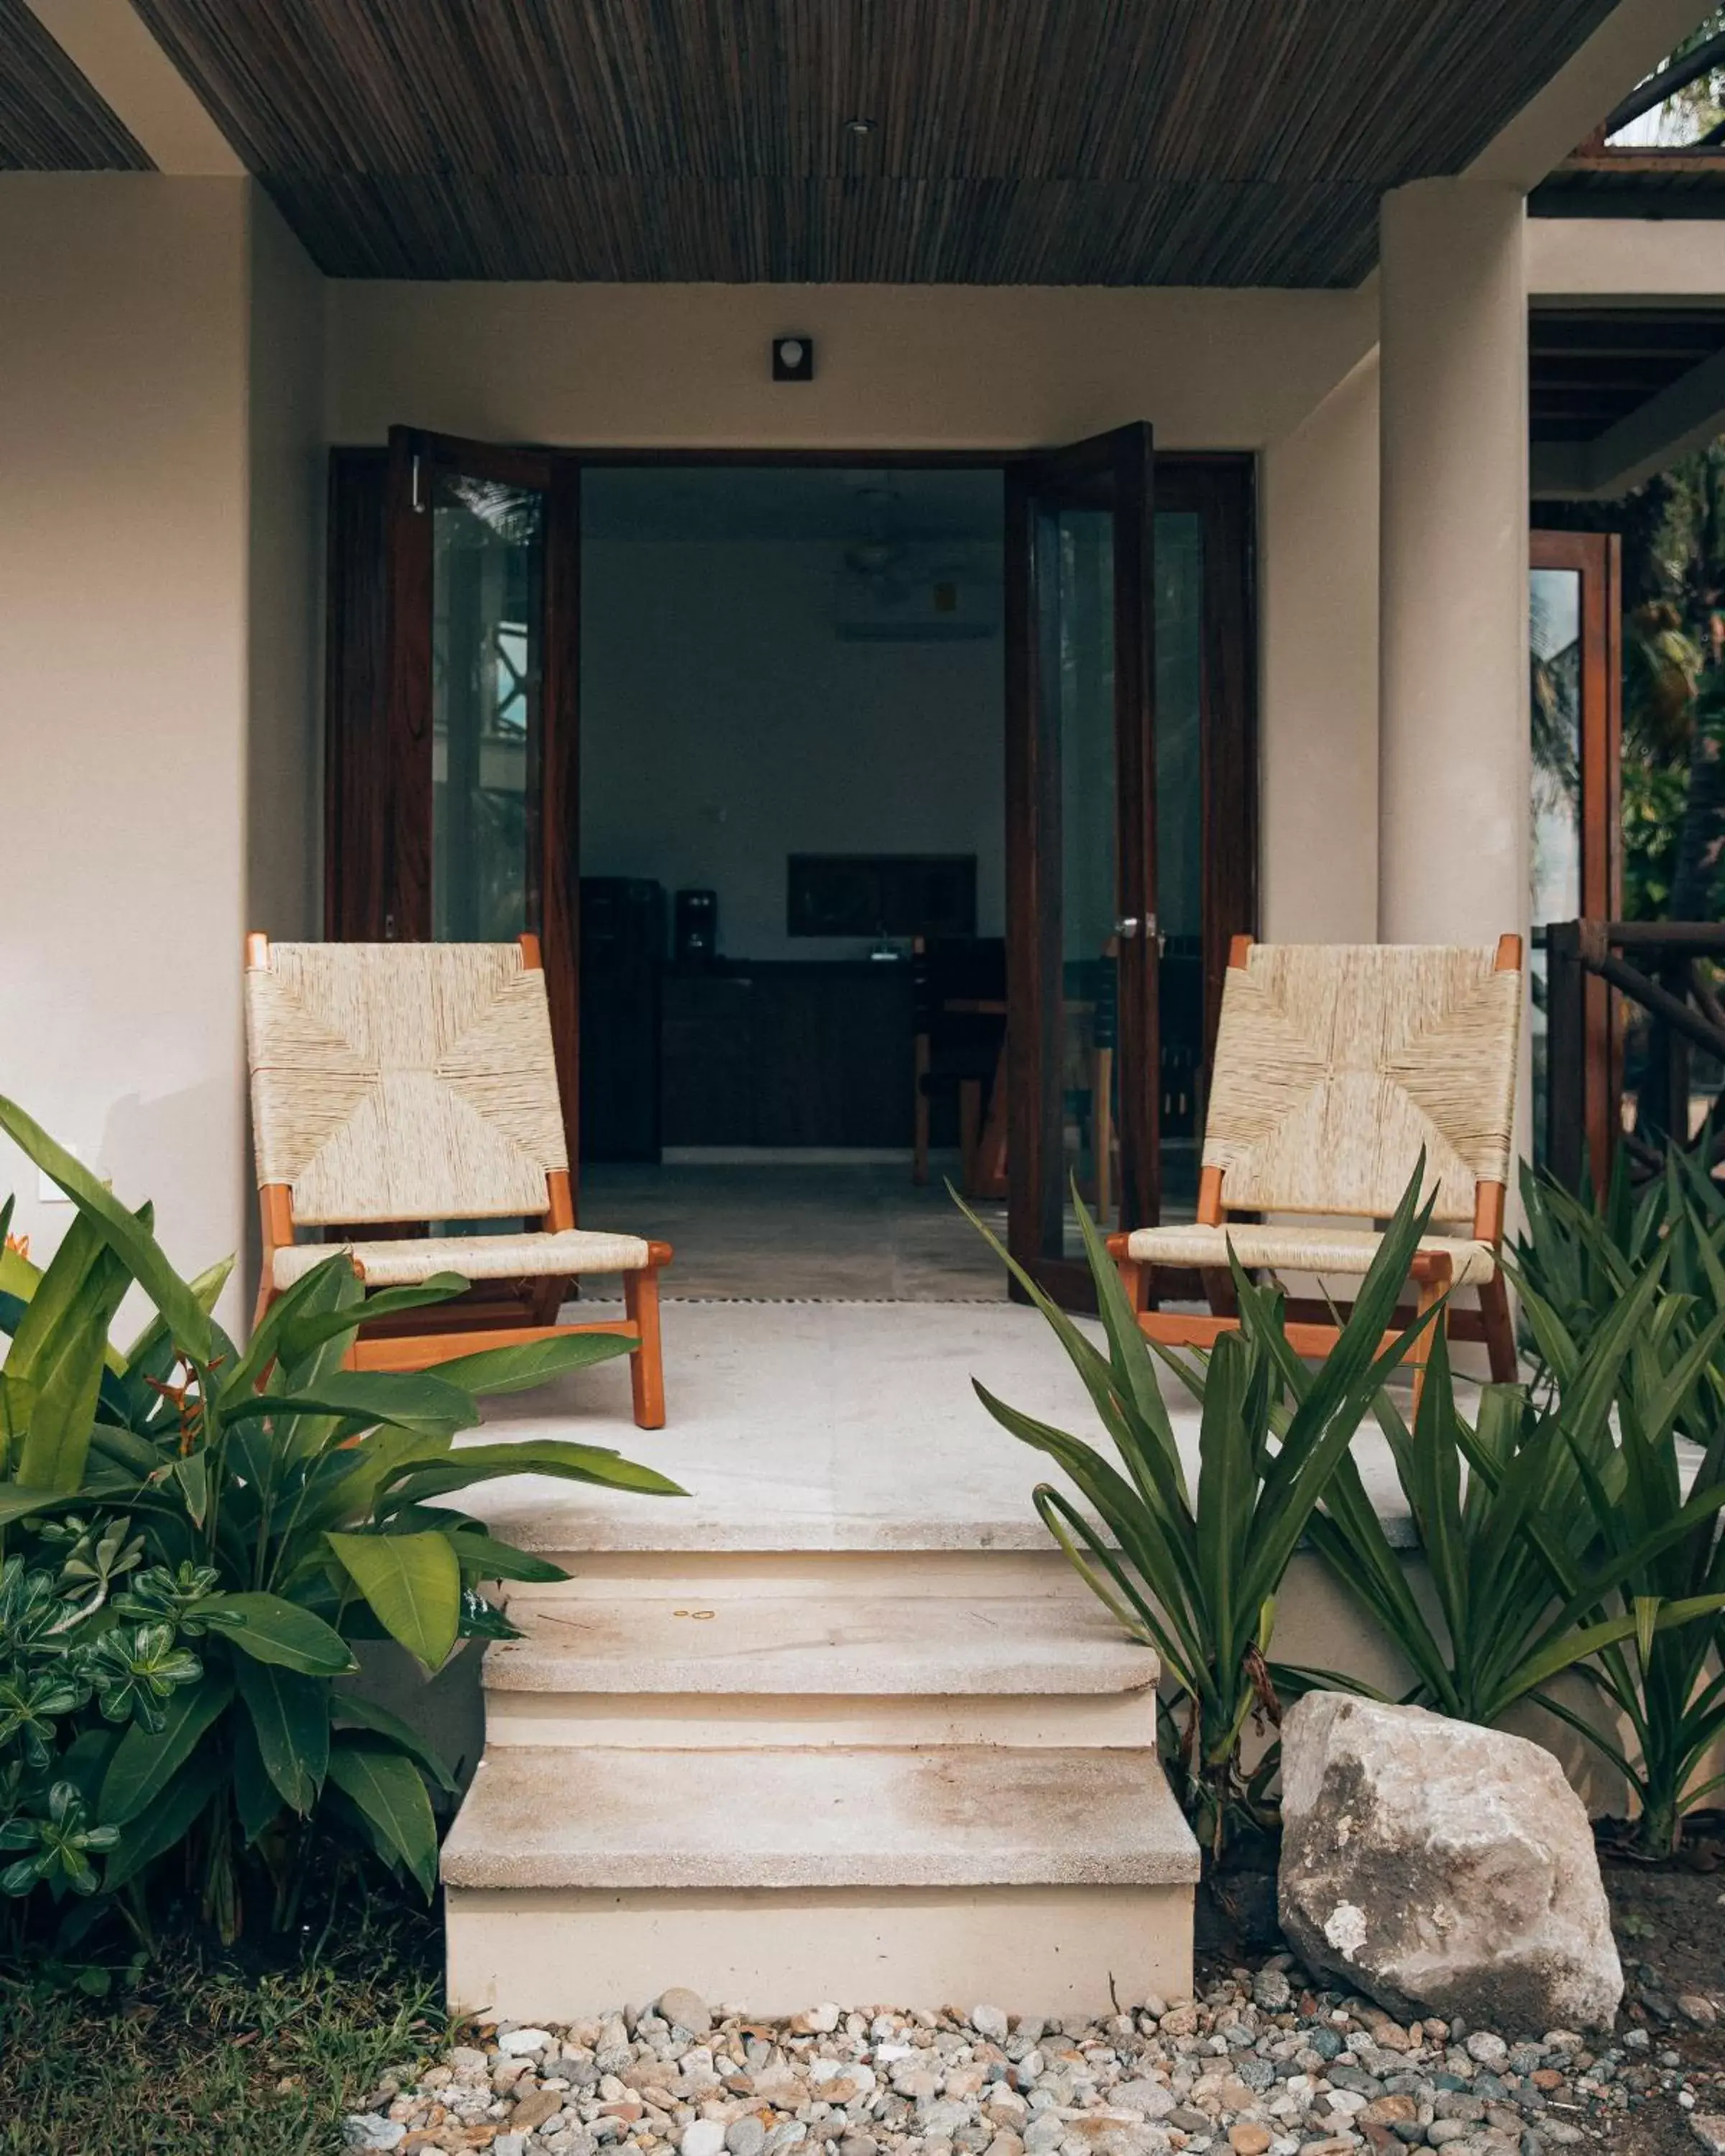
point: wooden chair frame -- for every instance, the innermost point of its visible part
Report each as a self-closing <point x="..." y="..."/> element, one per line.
<point x="1312" y="1329"/>
<point x="460" y="1328"/>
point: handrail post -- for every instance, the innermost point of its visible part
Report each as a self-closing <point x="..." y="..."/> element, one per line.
<point x="1565" y="1056"/>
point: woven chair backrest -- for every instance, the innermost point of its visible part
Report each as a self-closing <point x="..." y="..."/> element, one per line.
<point x="1337" y="1063"/>
<point x="403" y="1082"/>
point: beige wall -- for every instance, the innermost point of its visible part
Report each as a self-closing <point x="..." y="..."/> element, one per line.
<point x="903" y="367"/>
<point x="122" y="682"/>
<point x="1318" y="757"/>
<point x="286" y="524"/>
<point x="131" y="568"/>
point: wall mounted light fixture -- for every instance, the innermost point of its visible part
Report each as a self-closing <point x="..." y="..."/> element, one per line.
<point x="793" y="359"/>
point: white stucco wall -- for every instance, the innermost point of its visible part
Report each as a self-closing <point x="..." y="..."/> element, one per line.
<point x="137" y="646"/>
<point x="1318" y="624"/>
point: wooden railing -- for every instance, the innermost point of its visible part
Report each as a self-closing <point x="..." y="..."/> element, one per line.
<point x="1658" y="965"/>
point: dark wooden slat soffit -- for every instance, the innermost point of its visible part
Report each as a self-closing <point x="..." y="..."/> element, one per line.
<point x="1042" y="141"/>
<point x="51" y="120"/>
<point x="1590" y="368"/>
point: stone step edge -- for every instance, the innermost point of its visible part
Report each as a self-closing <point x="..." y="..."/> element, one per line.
<point x="1048" y="1652"/>
<point x="960" y="1816"/>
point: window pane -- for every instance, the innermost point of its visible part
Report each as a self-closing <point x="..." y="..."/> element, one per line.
<point x="488" y="570"/>
<point x="1554" y="637"/>
<point x="1179" y="845"/>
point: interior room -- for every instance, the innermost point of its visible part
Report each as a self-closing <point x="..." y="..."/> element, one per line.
<point x="792" y="820"/>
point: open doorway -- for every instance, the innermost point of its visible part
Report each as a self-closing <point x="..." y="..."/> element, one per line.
<point x="880" y="817"/>
<point x="791" y="697"/>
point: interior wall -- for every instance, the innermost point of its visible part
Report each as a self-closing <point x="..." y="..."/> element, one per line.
<point x="123" y="552"/>
<point x="724" y="724"/>
<point x="1318" y="626"/>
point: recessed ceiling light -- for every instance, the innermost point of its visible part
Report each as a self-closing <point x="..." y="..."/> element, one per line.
<point x="859" y="126"/>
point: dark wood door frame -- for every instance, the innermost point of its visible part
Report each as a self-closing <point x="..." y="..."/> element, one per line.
<point x="364" y="839"/>
<point x="1596" y="558"/>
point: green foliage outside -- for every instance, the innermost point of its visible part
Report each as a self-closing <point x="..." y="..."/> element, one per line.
<point x="193" y="1539"/>
<point x="1197" y="1576"/>
<point x="1563" y="1532"/>
<point x="1661" y="1256"/>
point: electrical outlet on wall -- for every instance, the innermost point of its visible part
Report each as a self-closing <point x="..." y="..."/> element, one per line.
<point x="48" y="1191"/>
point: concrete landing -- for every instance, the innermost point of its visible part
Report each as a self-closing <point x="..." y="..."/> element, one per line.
<point x="828" y="1426"/>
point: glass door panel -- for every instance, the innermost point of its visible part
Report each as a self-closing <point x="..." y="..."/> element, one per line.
<point x="1180" y="683"/>
<point x="1554" y="647"/>
<point x="1076" y="572"/>
<point x="487" y="665"/>
<point x="482" y="838"/>
<point x="1081" y="1021"/>
<point x="1574" y="607"/>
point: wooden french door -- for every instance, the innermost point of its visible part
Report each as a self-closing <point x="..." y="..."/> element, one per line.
<point x="1575" y="615"/>
<point x="469" y="775"/>
<point x="1082" y="932"/>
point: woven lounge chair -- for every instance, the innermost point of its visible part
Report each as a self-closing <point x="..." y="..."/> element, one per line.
<point x="414" y="1083"/>
<point x="1336" y="1064"/>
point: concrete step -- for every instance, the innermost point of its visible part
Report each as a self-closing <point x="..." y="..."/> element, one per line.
<point x="964" y="1815"/>
<point x="578" y="1876"/>
<point x="849" y="1670"/>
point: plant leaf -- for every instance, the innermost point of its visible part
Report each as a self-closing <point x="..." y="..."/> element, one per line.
<point x="386" y="1790"/>
<point x="368" y="1714"/>
<point x="271" y="1629"/>
<point x="290" y="1719"/>
<point x="412" y="1583"/>
<point x="144" y="1762"/>
<point x="131" y="1242"/>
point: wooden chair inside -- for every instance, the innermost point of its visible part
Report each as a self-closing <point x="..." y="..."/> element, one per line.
<point x="958" y="1053"/>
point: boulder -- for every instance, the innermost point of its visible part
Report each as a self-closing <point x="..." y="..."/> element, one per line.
<point x="1442" y="1868"/>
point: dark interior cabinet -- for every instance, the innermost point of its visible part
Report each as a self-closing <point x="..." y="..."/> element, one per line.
<point x="788" y="1053"/>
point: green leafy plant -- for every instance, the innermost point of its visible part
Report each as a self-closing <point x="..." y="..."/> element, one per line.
<point x="1197" y="1579"/>
<point x="1662" y="1673"/>
<point x="224" y="1526"/>
<point x="1525" y="1584"/>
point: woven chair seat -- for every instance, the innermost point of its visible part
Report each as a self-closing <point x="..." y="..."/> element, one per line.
<point x="1298" y="1250"/>
<point x="562" y="1255"/>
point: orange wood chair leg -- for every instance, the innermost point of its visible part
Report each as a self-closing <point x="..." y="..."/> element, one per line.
<point x="1134" y="1279"/>
<point x="646" y="1368"/>
<point x="1433" y="1284"/>
<point x="1500" y="1330"/>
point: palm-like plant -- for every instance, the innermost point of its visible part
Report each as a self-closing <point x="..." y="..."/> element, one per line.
<point x="1527" y="1585"/>
<point x="1197" y="1579"/>
<point x="270" y="1508"/>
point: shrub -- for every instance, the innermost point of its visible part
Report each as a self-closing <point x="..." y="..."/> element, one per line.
<point x="1581" y="1269"/>
<point x="1199" y="1580"/>
<point x="200" y="1535"/>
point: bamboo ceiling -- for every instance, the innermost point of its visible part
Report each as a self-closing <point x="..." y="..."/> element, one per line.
<point x="1045" y="141"/>
<point x="51" y="120"/>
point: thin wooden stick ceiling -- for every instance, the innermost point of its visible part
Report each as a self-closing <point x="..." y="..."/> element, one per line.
<point x="1049" y="141"/>
<point x="51" y="120"/>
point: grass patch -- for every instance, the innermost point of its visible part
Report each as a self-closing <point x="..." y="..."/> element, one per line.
<point x="200" y="2053"/>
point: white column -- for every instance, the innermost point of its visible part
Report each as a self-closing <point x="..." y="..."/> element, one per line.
<point x="1453" y="753"/>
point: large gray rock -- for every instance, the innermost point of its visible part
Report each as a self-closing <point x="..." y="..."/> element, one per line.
<point x="1442" y="1868"/>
